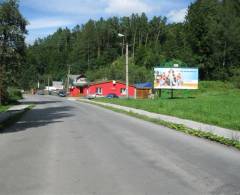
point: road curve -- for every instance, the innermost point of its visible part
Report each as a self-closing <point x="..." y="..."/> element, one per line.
<point x="68" y="147"/>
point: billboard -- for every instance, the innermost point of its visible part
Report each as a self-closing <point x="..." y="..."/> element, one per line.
<point x="175" y="78"/>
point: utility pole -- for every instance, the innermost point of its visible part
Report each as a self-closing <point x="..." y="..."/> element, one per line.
<point x="48" y="84"/>
<point x="121" y="35"/>
<point x="0" y="93"/>
<point x="1" y="87"/>
<point x="68" y="78"/>
<point x="127" y="70"/>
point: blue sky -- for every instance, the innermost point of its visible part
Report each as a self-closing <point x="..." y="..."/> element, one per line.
<point x="45" y="16"/>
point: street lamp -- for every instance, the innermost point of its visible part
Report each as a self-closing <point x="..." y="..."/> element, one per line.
<point x="121" y="35"/>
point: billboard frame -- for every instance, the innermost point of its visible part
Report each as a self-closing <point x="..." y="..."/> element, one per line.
<point x="175" y="88"/>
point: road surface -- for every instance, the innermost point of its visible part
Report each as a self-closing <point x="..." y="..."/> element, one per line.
<point x="68" y="147"/>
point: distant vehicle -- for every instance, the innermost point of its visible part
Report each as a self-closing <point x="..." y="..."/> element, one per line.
<point x="111" y="95"/>
<point x="40" y="92"/>
<point x="62" y="94"/>
<point x="91" y="96"/>
<point x="55" y="92"/>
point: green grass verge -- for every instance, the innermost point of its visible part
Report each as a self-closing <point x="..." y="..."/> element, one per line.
<point x="180" y="128"/>
<point x="13" y="119"/>
<point x="215" y="103"/>
<point x="3" y="108"/>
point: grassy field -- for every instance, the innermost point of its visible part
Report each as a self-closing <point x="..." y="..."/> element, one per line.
<point x="215" y="103"/>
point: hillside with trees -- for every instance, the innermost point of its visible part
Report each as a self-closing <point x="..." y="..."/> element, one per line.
<point x="209" y="38"/>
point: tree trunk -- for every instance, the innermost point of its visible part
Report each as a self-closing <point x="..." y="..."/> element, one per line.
<point x="146" y="40"/>
<point x="88" y="56"/>
<point x="224" y="54"/>
<point x="99" y="51"/>
<point x="157" y="37"/>
<point x="134" y="42"/>
<point x="139" y="39"/>
<point x="122" y="46"/>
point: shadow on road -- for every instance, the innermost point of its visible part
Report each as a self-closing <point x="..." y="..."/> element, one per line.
<point x="39" y="102"/>
<point x="40" y="117"/>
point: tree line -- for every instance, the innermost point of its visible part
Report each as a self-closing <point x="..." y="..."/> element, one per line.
<point x="12" y="47"/>
<point x="209" y="38"/>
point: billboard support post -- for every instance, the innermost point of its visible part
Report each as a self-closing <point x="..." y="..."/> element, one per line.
<point x="171" y="93"/>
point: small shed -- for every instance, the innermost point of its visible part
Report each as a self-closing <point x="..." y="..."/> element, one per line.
<point x="143" y="90"/>
<point x="58" y="85"/>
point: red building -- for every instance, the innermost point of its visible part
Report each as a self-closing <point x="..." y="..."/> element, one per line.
<point x="105" y="87"/>
<point x="79" y="86"/>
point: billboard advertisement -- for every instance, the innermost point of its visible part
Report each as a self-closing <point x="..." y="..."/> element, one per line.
<point x="175" y="78"/>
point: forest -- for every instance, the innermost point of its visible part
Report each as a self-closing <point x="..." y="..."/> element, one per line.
<point x="209" y="39"/>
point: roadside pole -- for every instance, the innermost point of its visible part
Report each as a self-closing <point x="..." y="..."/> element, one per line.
<point x="0" y="93"/>
<point x="68" y="79"/>
<point x="171" y="93"/>
<point x="127" y="70"/>
<point x="48" y="84"/>
<point x="127" y="83"/>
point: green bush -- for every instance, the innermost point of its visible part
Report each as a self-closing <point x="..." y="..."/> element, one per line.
<point x="235" y="77"/>
<point x="14" y="94"/>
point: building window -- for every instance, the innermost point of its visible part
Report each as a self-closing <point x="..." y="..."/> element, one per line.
<point x="123" y="91"/>
<point x="99" y="90"/>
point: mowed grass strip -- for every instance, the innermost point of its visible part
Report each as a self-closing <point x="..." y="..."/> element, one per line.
<point x="216" y="103"/>
<point x="3" y="108"/>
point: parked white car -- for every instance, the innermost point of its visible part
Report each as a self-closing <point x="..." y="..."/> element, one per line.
<point x="91" y="96"/>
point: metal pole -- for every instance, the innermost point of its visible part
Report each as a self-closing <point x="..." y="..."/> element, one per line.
<point x="0" y="94"/>
<point x="127" y="70"/>
<point x="68" y="78"/>
<point x="48" y="84"/>
<point x="0" y="88"/>
<point x="171" y="93"/>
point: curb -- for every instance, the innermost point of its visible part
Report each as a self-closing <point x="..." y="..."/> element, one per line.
<point x="11" y="113"/>
<point x="197" y="126"/>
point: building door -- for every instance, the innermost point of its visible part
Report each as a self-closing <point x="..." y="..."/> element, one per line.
<point x="81" y="91"/>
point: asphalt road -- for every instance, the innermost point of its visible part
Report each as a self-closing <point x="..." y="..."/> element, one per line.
<point x="68" y="147"/>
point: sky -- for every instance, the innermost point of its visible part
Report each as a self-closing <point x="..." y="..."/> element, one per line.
<point x="46" y="16"/>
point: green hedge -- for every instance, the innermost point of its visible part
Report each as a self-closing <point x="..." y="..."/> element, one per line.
<point x="14" y="94"/>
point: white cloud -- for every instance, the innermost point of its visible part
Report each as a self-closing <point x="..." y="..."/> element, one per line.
<point x="126" y="7"/>
<point x="48" y="23"/>
<point x="45" y="15"/>
<point x="177" y="15"/>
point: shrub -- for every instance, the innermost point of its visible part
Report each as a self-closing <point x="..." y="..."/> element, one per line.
<point x="14" y="94"/>
<point x="236" y="77"/>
